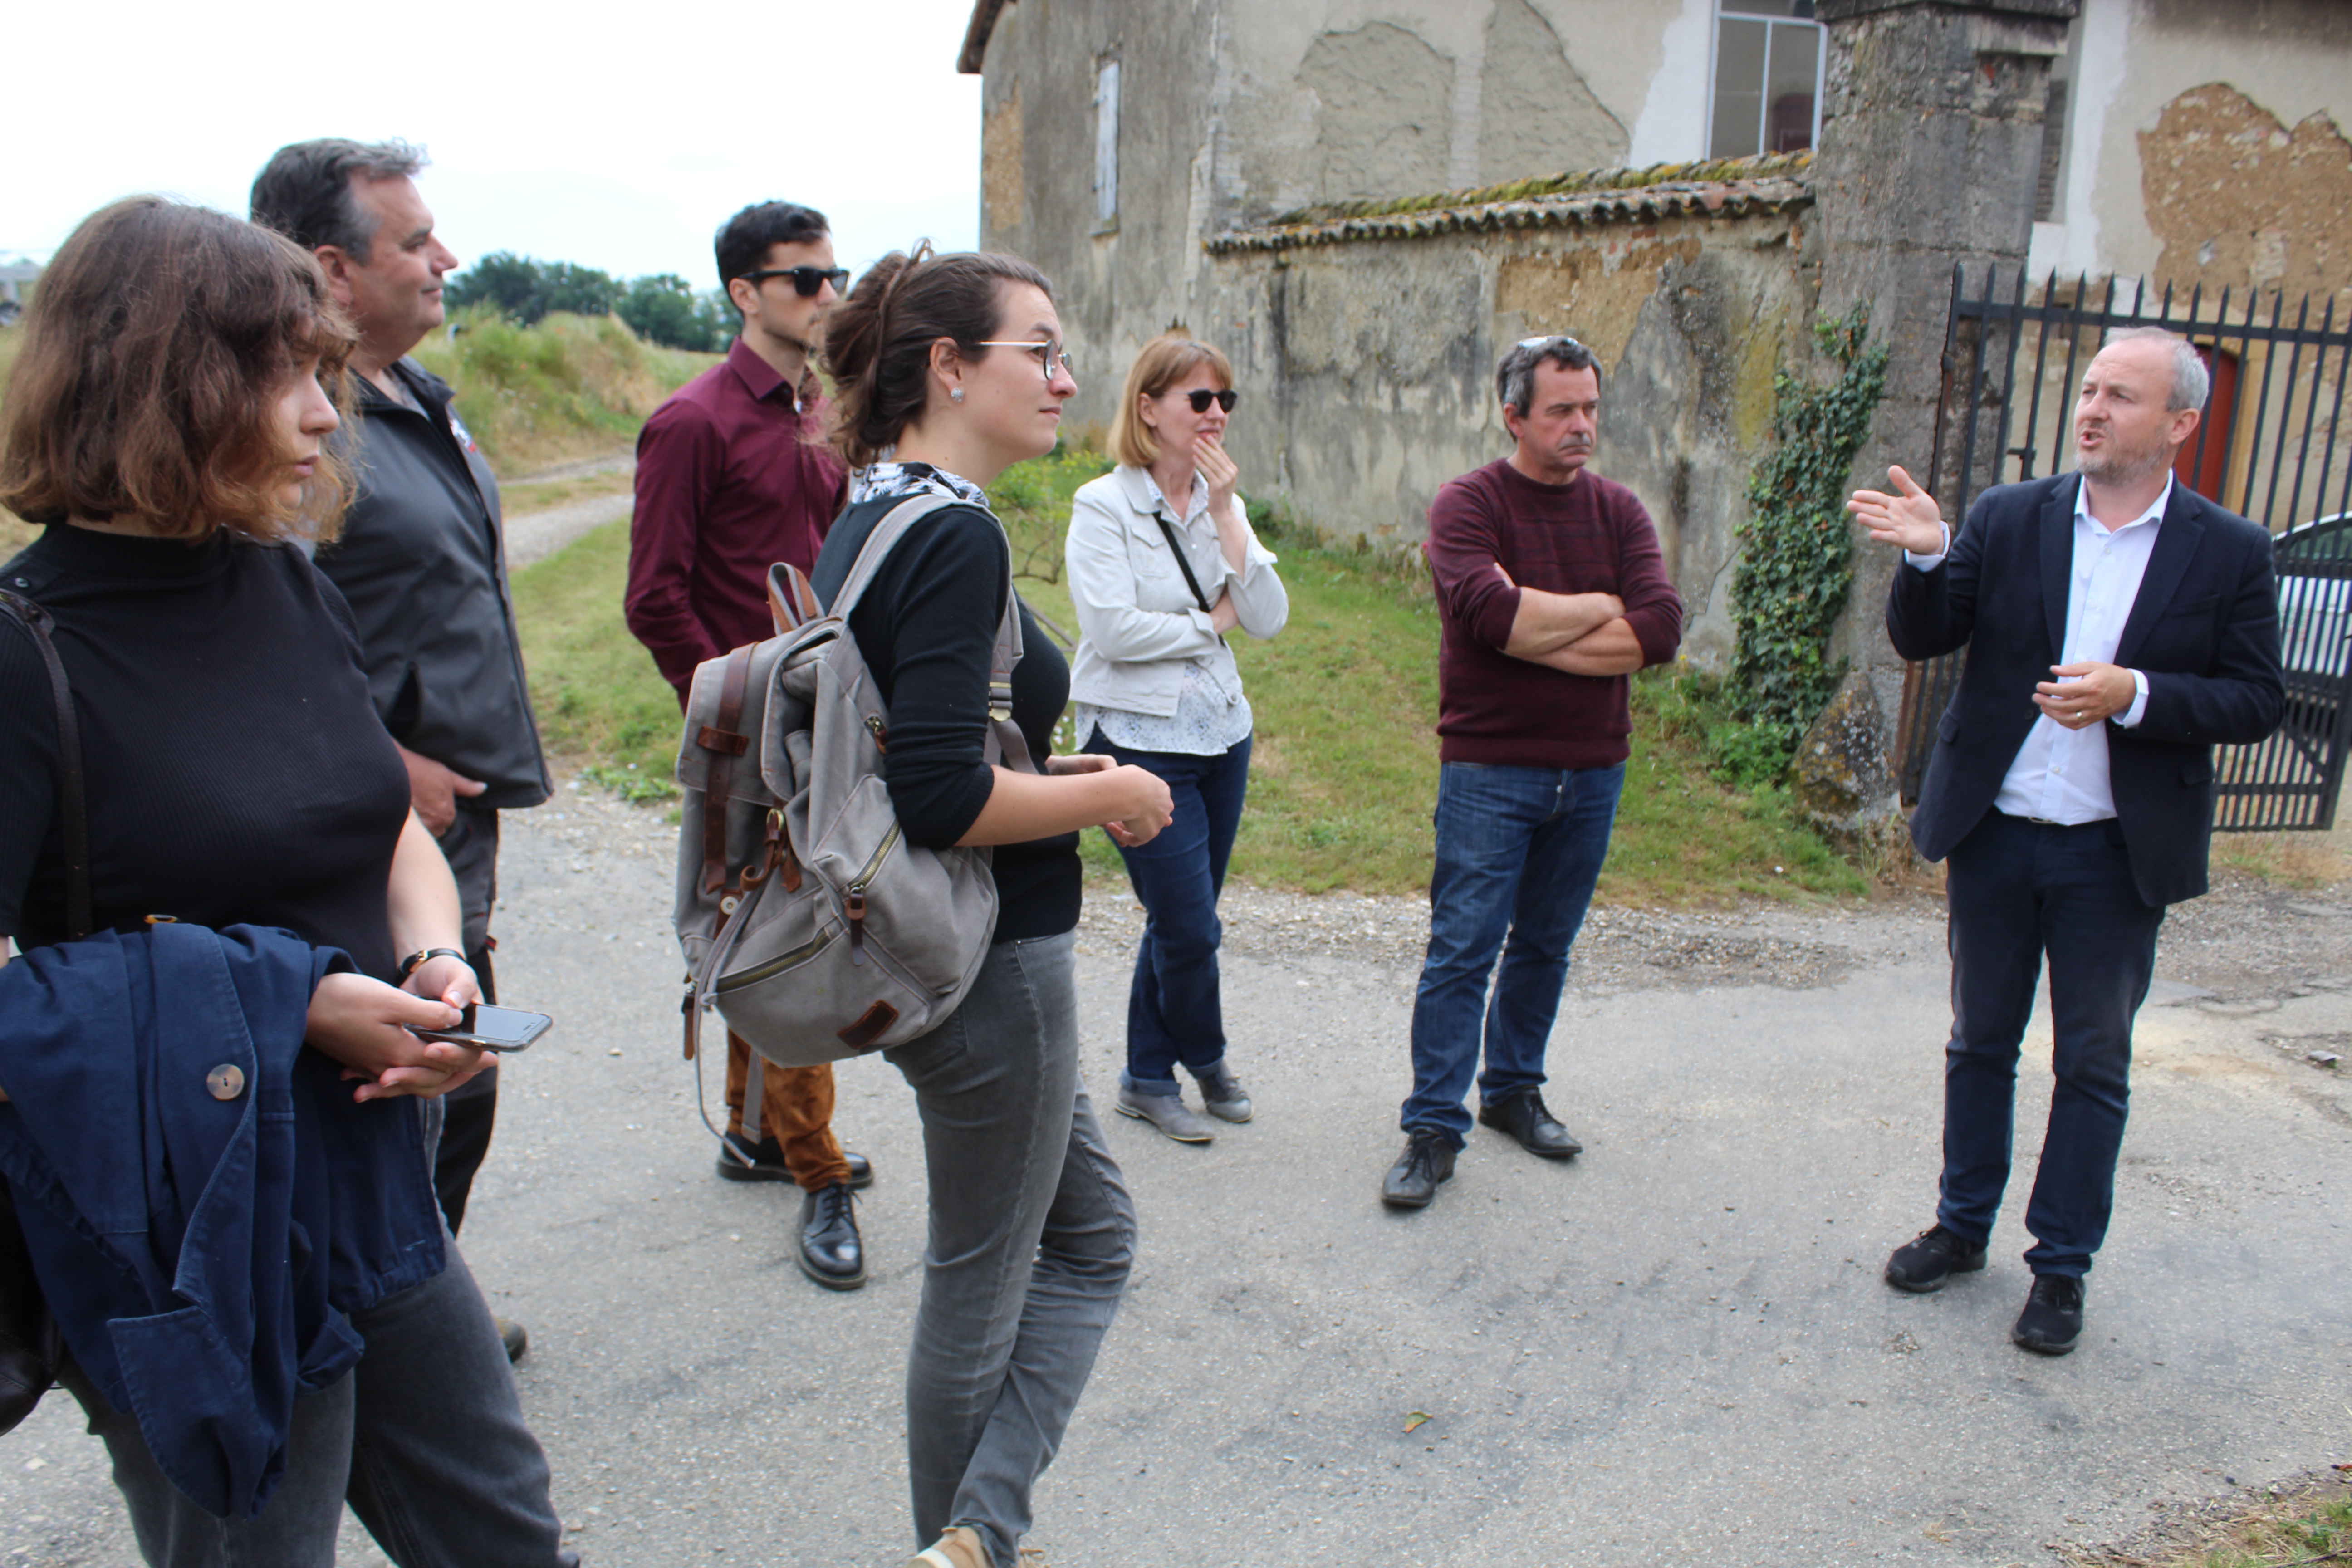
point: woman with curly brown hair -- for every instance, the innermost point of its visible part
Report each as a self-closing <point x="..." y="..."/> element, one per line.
<point x="167" y="422"/>
<point x="949" y="370"/>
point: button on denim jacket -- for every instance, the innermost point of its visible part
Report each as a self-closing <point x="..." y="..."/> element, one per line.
<point x="203" y="1202"/>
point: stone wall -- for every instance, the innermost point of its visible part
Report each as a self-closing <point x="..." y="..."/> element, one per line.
<point x="1365" y="350"/>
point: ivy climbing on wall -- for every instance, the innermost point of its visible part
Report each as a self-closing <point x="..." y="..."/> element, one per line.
<point x="1796" y="559"/>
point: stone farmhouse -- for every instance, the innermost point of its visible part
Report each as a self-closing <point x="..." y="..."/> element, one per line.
<point x="1363" y="201"/>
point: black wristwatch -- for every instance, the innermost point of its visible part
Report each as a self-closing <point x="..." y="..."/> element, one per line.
<point x="417" y="961"/>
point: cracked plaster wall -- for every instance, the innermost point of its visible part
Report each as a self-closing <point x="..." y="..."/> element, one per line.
<point x="1373" y="367"/>
<point x="2133" y="60"/>
<point x="1232" y="113"/>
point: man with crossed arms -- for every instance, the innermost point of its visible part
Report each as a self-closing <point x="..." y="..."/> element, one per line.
<point x="2118" y="627"/>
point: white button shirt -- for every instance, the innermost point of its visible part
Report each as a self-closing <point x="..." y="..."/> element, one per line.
<point x="2061" y="774"/>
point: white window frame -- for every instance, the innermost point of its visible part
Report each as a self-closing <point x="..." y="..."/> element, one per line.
<point x="1107" y="144"/>
<point x="1764" y="107"/>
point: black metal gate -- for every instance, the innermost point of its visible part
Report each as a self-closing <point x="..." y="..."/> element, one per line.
<point x="2274" y="446"/>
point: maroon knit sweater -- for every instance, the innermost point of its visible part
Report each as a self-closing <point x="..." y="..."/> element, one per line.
<point x="1588" y="536"/>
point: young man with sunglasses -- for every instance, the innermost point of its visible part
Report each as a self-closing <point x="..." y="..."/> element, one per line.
<point x="731" y="478"/>
<point x="1553" y="592"/>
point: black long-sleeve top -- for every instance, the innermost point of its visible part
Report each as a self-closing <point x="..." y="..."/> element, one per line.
<point x="236" y="770"/>
<point x="926" y="628"/>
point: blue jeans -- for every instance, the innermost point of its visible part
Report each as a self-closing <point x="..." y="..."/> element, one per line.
<point x="2017" y="890"/>
<point x="1518" y="850"/>
<point x="1032" y="1235"/>
<point x="424" y="1439"/>
<point x="1173" y="1011"/>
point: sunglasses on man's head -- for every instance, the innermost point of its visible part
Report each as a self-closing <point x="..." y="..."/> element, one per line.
<point x="1551" y="338"/>
<point x="1200" y="397"/>
<point x="806" y="281"/>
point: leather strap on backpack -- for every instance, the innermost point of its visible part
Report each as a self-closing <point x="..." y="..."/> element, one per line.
<point x="73" y="801"/>
<point x="725" y="743"/>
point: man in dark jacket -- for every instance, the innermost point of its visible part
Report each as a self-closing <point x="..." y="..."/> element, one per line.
<point x="2118" y="627"/>
<point x="422" y="556"/>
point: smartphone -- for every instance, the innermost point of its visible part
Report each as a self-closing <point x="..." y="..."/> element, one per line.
<point x="489" y="1029"/>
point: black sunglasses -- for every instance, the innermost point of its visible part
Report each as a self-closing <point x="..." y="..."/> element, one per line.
<point x="806" y="281"/>
<point x="1200" y="397"/>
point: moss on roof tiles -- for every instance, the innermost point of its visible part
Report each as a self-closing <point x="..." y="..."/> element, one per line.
<point x="1714" y="171"/>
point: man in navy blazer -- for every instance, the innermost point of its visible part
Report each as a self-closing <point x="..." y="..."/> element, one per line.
<point x="2118" y="627"/>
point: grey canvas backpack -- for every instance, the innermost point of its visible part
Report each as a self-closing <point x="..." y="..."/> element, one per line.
<point x="809" y="922"/>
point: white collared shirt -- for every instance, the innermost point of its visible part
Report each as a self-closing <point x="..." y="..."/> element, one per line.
<point x="2061" y="774"/>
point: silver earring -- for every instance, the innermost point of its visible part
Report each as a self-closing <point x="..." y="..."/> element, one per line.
<point x="955" y="394"/>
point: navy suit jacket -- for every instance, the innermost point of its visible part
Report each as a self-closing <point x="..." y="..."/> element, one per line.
<point x="2203" y="629"/>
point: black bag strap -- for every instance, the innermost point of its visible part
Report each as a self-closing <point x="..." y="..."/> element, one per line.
<point x="73" y="798"/>
<point x="1168" y="530"/>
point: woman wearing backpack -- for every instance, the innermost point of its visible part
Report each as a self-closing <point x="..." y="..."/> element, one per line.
<point x="167" y="422"/>
<point x="948" y="370"/>
<point x="1163" y="566"/>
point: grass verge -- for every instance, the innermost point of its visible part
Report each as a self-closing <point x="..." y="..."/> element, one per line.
<point x="2296" y="1526"/>
<point x="570" y="386"/>
<point x="1344" y="772"/>
<point x="601" y="703"/>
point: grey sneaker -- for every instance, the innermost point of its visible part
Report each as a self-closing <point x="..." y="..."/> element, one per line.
<point x="1225" y="1097"/>
<point x="1166" y="1112"/>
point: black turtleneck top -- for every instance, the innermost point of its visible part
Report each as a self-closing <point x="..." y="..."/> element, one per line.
<point x="237" y="771"/>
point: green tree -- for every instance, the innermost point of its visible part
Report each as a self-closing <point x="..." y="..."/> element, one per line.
<point x="663" y="307"/>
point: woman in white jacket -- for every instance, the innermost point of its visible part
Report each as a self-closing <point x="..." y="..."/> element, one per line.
<point x="1162" y="565"/>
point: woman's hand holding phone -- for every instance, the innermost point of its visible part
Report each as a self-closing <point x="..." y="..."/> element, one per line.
<point x="364" y="1024"/>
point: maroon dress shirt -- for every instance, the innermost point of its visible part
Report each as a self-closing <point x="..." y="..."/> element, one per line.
<point x="731" y="480"/>
<point x="1588" y="536"/>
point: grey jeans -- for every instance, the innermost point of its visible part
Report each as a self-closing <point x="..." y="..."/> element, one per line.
<point x="424" y="1439"/>
<point x="1032" y="1235"/>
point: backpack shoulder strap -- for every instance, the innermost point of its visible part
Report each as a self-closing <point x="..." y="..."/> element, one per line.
<point x="724" y="742"/>
<point x="73" y="795"/>
<point x="1003" y="741"/>
<point x="877" y="548"/>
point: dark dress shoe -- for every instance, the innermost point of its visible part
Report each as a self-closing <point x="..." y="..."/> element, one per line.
<point x="743" y="1161"/>
<point x="1523" y="1116"/>
<point x="514" y="1337"/>
<point x="2052" y="1319"/>
<point x="1934" y="1256"/>
<point x="1427" y="1160"/>
<point x="831" y="1251"/>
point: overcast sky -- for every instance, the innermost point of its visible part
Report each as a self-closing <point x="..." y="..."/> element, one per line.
<point x="618" y="137"/>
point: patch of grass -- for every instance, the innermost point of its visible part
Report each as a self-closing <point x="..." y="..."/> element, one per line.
<point x="600" y="700"/>
<point x="540" y="494"/>
<point x="2295" y="859"/>
<point x="1344" y="770"/>
<point x="570" y="386"/>
<point x="2296" y="1526"/>
<point x="1686" y="835"/>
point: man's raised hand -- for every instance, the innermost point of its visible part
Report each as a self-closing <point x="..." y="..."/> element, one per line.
<point x="1909" y="518"/>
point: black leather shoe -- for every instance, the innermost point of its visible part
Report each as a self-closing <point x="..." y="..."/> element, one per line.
<point x="515" y="1338"/>
<point x="1427" y="1160"/>
<point x="2052" y="1319"/>
<point x="1523" y="1116"/>
<point x="1929" y="1258"/>
<point x="831" y="1251"/>
<point x="744" y="1161"/>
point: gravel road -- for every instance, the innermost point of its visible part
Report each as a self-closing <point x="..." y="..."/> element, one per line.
<point x="1674" y="1349"/>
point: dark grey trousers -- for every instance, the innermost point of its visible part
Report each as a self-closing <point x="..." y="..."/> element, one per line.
<point x="424" y="1439"/>
<point x="1032" y="1235"/>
